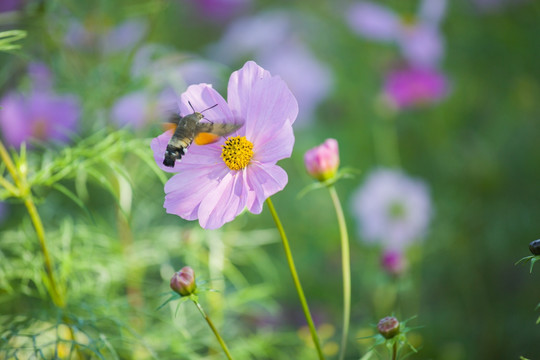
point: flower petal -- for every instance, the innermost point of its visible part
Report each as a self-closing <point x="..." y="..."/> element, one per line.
<point x="224" y="202"/>
<point x="270" y="107"/>
<point x="264" y="180"/>
<point x="240" y="87"/>
<point x="202" y="97"/>
<point x="276" y="146"/>
<point x="187" y="190"/>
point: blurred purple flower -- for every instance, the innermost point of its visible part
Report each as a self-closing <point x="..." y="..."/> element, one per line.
<point x="272" y="39"/>
<point x="139" y="108"/>
<point x="40" y="76"/>
<point x="40" y="115"/>
<point x="122" y="37"/>
<point x="392" y="209"/>
<point x="420" y="41"/>
<point x="218" y="181"/>
<point x="10" y="5"/>
<point x="409" y="87"/>
<point x="221" y="10"/>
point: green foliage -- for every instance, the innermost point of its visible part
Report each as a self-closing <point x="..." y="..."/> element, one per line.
<point x="114" y="248"/>
<point x="7" y="39"/>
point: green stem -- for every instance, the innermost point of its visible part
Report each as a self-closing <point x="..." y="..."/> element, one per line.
<point x="25" y="193"/>
<point x="211" y="324"/>
<point x="8" y="186"/>
<point x="346" y="269"/>
<point x="296" y="280"/>
<point x="394" y="351"/>
<point x="9" y="164"/>
<point x="386" y="141"/>
<point x="38" y="226"/>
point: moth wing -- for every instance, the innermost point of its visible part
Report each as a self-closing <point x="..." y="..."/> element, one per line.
<point x="206" y="138"/>
<point x="172" y="122"/>
<point x="208" y="133"/>
<point x="174" y="118"/>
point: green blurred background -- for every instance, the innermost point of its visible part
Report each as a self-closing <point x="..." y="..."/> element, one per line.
<point x="477" y="150"/>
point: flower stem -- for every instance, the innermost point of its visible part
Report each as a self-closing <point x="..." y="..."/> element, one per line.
<point x="394" y="351"/>
<point x="296" y="280"/>
<point x="214" y="330"/>
<point x="386" y="141"/>
<point x="346" y="269"/>
<point x="26" y="195"/>
<point x="38" y="226"/>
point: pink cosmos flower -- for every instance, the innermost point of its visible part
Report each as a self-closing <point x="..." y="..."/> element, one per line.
<point x="420" y="40"/>
<point x="216" y="182"/>
<point x="322" y="161"/>
<point x="409" y="87"/>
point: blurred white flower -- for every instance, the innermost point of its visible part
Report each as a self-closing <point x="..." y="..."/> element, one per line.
<point x="392" y="209"/>
<point x="272" y="39"/>
<point x="165" y="67"/>
<point x="95" y="36"/>
<point x="140" y="108"/>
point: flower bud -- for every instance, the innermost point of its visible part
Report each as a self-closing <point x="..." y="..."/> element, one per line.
<point x="534" y="246"/>
<point x="388" y="327"/>
<point x="393" y="262"/>
<point x="183" y="281"/>
<point x="322" y="161"/>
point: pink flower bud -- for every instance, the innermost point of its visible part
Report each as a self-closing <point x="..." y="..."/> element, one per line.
<point x="388" y="327"/>
<point x="183" y="281"/>
<point x="322" y="161"/>
<point x="393" y="262"/>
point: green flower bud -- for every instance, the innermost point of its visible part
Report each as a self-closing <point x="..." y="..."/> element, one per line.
<point x="388" y="327"/>
<point x="183" y="281"/>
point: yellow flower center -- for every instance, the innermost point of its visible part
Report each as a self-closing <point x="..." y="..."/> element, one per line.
<point x="237" y="152"/>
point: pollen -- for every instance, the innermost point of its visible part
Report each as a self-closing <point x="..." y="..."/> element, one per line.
<point x="237" y="152"/>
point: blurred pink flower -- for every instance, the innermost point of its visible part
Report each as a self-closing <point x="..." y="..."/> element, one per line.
<point x="393" y="262"/>
<point x="273" y="39"/>
<point x="322" y="161"/>
<point x="218" y="181"/>
<point x="392" y="209"/>
<point x="409" y="87"/>
<point x="420" y="41"/>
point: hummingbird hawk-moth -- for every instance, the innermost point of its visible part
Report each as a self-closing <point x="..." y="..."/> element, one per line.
<point x="188" y="128"/>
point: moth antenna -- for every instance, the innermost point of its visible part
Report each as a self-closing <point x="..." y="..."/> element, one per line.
<point x="211" y="107"/>
<point x="189" y="102"/>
